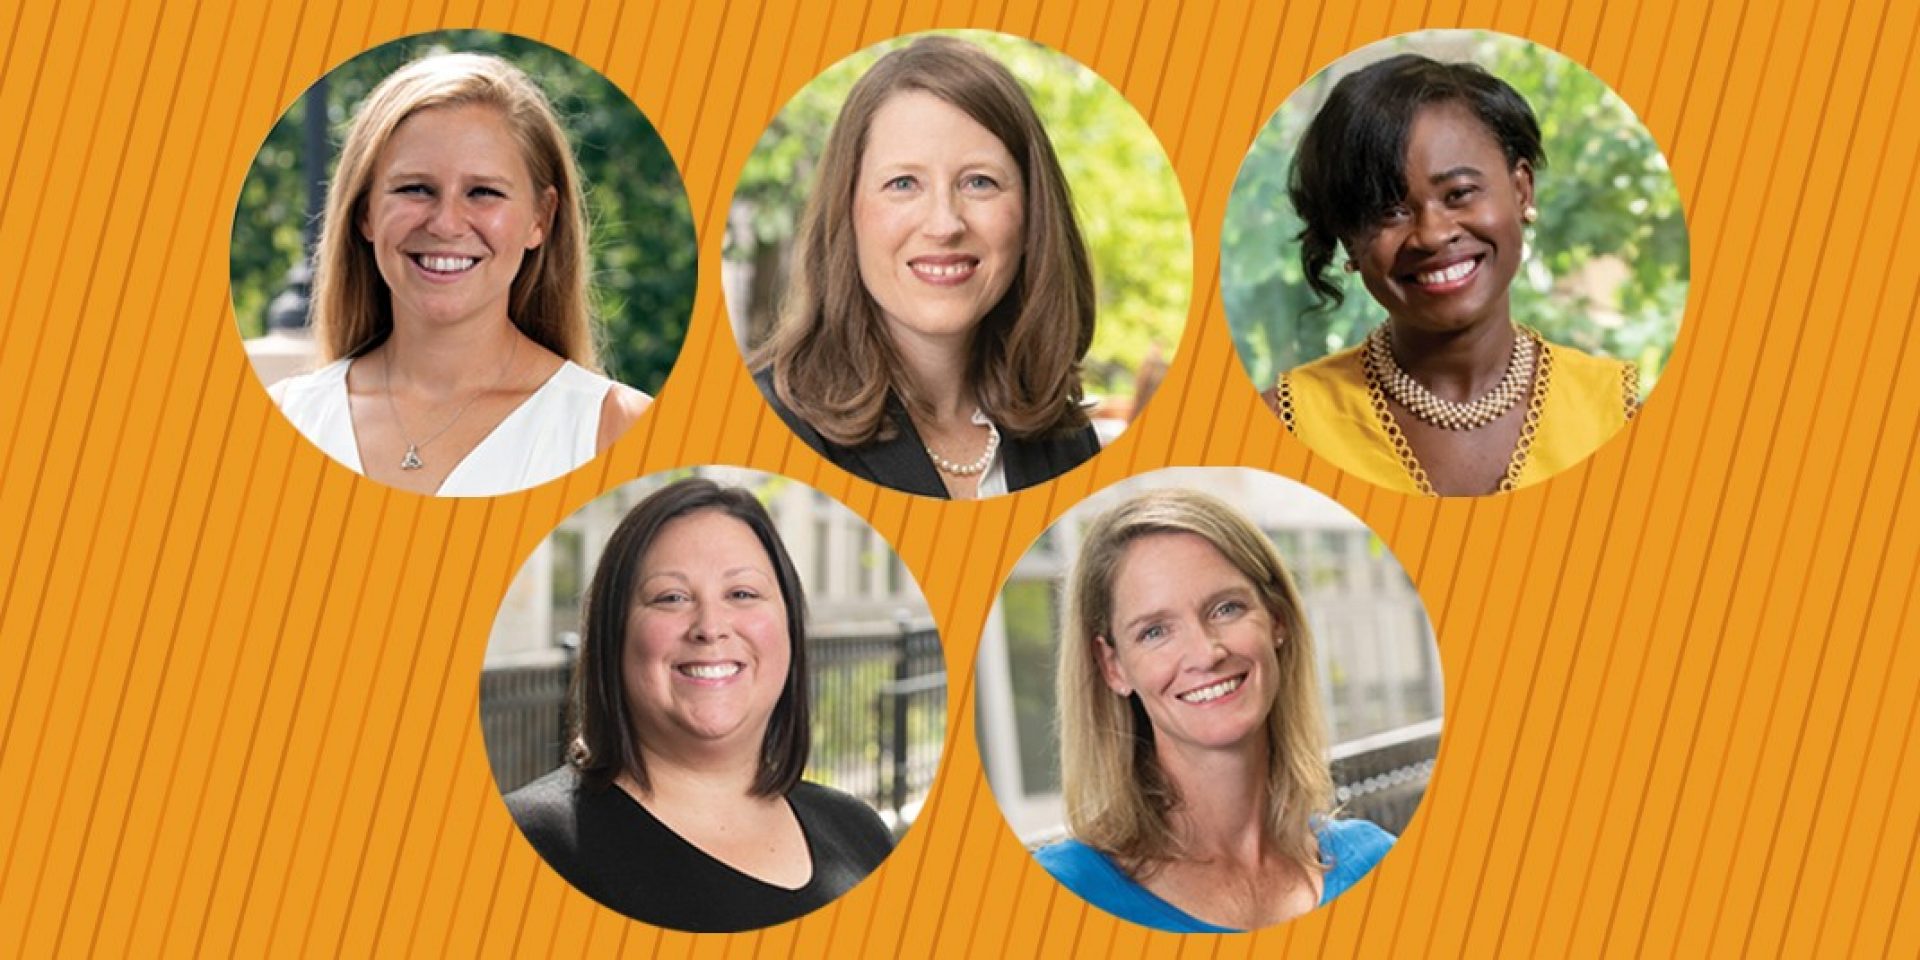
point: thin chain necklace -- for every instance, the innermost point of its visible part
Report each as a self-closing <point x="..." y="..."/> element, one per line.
<point x="975" y="468"/>
<point x="1439" y="411"/>
<point x="412" y="460"/>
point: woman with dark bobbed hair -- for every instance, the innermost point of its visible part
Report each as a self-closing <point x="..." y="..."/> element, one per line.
<point x="1193" y="752"/>
<point x="1424" y="174"/>
<point x="942" y="298"/>
<point x="682" y="802"/>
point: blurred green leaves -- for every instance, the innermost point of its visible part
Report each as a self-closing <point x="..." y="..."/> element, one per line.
<point x="644" y="251"/>
<point x="1607" y="270"/>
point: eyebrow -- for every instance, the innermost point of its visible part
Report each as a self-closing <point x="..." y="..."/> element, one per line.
<point x="729" y="572"/>
<point x="484" y="178"/>
<point x="1461" y="171"/>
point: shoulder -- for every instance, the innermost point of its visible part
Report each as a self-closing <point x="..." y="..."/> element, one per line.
<point x="1581" y="363"/>
<point x="1095" y="878"/>
<point x="619" y="411"/>
<point x="844" y="817"/>
<point x="1342" y="369"/>
<point x="1351" y="848"/>
<point x="1080" y="868"/>
<point x="547" y="809"/>
<point x="303" y="388"/>
<point x="1608" y="387"/>
<point x="763" y="378"/>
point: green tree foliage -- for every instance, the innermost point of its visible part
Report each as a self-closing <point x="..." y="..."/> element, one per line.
<point x="1610" y="225"/>
<point x="643" y="262"/>
<point x="1126" y="199"/>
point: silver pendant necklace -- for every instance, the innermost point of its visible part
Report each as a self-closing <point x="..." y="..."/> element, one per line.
<point x="412" y="460"/>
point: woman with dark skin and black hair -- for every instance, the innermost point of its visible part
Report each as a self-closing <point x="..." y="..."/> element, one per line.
<point x="1424" y="173"/>
<point x="682" y="804"/>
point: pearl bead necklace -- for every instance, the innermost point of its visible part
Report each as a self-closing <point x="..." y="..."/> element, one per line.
<point x="969" y="469"/>
<point x="1446" y="414"/>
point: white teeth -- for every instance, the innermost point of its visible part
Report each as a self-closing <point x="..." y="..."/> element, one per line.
<point x="448" y="264"/>
<point x="1448" y="275"/>
<point x="710" y="671"/>
<point x="943" y="271"/>
<point x="1213" y="691"/>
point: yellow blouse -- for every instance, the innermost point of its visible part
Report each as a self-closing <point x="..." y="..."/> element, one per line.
<point x="1584" y="401"/>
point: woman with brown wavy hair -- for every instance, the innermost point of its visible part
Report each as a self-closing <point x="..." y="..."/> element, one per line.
<point x="1192" y="745"/>
<point x="942" y="297"/>
<point x="451" y="304"/>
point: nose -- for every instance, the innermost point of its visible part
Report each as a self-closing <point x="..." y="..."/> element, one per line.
<point x="709" y="623"/>
<point x="1434" y="227"/>
<point x="1204" y="650"/>
<point x="945" y="218"/>
<point x="447" y="219"/>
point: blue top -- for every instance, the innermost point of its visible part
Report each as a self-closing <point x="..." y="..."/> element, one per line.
<point x="1352" y="847"/>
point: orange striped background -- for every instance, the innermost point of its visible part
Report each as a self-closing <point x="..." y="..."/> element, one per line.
<point x="239" y="684"/>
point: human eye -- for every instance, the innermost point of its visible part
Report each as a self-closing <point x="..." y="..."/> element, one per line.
<point x="979" y="183"/>
<point x="1152" y="633"/>
<point x="743" y="593"/>
<point x="413" y="189"/>
<point x="899" y="184"/>
<point x="1227" y="609"/>
<point x="1462" y="193"/>
<point x="1393" y="213"/>
<point x="491" y="193"/>
<point x="668" y="597"/>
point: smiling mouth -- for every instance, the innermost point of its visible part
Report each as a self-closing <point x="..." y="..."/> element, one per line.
<point x="945" y="272"/>
<point x="1450" y="277"/>
<point x="444" y="266"/>
<point x="709" y="671"/>
<point x="1213" y="691"/>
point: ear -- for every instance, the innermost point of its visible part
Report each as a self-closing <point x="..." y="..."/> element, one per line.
<point x="1110" y="667"/>
<point x="1523" y="182"/>
<point x="549" y="202"/>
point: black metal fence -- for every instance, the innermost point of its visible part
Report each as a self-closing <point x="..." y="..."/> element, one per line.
<point x="523" y="717"/>
<point x="879" y="717"/>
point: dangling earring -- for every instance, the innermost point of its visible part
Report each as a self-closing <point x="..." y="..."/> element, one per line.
<point x="1530" y="214"/>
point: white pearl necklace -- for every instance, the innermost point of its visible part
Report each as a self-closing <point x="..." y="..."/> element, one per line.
<point x="969" y="469"/>
<point x="1446" y="414"/>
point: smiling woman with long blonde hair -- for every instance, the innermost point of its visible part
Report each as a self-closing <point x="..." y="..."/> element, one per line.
<point x="1193" y="749"/>
<point x="451" y="302"/>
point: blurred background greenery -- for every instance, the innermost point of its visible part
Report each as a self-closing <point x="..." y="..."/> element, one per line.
<point x="1125" y="195"/>
<point x="1607" y="267"/>
<point x="644" y="250"/>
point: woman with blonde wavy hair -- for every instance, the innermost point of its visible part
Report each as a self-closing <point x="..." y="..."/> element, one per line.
<point x="1193" y="750"/>
<point x="942" y="298"/>
<point x="451" y="302"/>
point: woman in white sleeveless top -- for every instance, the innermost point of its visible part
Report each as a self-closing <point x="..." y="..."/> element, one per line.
<point x="451" y="292"/>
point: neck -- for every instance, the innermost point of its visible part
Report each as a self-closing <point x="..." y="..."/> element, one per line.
<point x="1223" y="802"/>
<point x="938" y="369"/>
<point x="698" y="780"/>
<point x="448" y="360"/>
<point x="1455" y="364"/>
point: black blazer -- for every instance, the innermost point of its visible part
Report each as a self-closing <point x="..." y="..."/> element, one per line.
<point x="902" y="462"/>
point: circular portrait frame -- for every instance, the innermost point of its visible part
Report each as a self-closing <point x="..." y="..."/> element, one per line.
<point x="1605" y="266"/>
<point x="874" y="694"/>
<point x="637" y="260"/>
<point x="1125" y="198"/>
<point x="1375" y="673"/>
